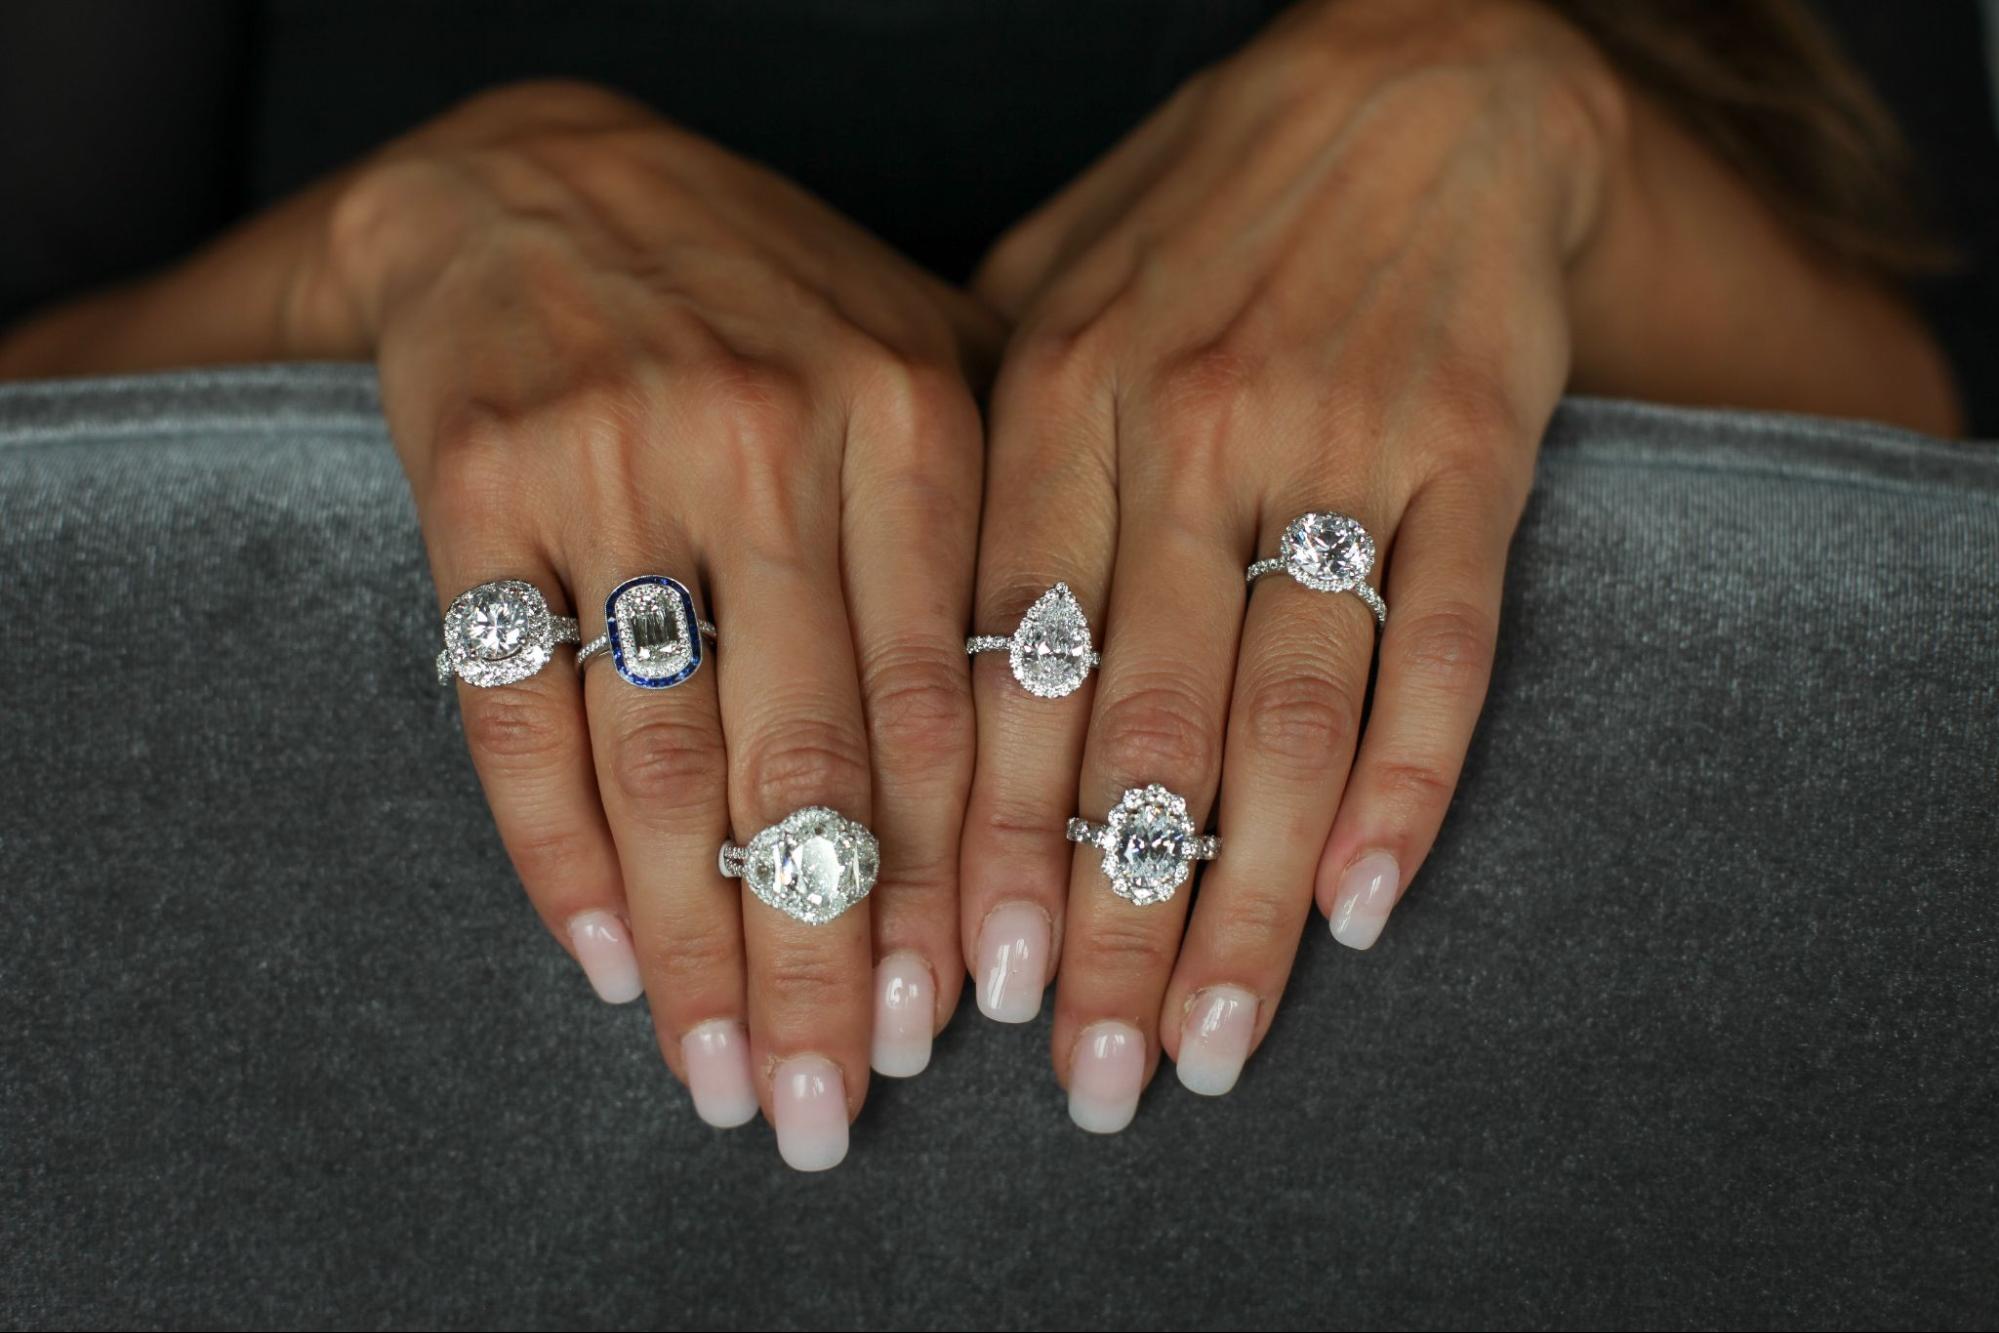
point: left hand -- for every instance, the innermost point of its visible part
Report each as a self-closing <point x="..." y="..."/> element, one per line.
<point x="1330" y="274"/>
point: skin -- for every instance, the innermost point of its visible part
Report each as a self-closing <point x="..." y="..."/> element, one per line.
<point x="1352" y="267"/>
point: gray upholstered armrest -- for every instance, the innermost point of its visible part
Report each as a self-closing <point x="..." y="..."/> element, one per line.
<point x="1690" y="1019"/>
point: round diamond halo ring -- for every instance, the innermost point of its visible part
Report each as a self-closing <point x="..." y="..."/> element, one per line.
<point x="499" y="633"/>
<point x="1328" y="553"/>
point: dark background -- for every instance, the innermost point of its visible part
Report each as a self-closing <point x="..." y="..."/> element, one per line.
<point x="135" y="129"/>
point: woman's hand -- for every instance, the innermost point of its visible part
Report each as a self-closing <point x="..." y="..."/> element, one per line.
<point x="609" y="348"/>
<point x="1350" y="269"/>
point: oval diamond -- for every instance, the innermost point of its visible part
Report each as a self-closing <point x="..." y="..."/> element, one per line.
<point x="812" y="865"/>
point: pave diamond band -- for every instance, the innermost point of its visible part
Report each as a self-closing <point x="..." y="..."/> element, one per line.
<point x="1149" y="844"/>
<point x="812" y="865"/>
<point x="651" y="632"/>
<point x="1327" y="553"/>
<point x="499" y="633"/>
<point x="1050" y="650"/>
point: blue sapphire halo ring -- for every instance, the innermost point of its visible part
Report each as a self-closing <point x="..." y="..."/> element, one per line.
<point x="651" y="632"/>
<point x="499" y="633"/>
<point x="1149" y="844"/>
<point x="812" y="865"/>
<point x="1327" y="553"/>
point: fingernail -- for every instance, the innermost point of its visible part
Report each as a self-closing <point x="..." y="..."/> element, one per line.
<point x="1215" y="1039"/>
<point x="1366" y="896"/>
<point x="717" y="1055"/>
<point x="905" y="1015"/>
<point x="1106" y="1078"/>
<point x="604" y="948"/>
<point x="1013" y="962"/>
<point x="810" y="1099"/>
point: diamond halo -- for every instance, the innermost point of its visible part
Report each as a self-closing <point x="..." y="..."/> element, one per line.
<point x="1049" y="651"/>
<point x="812" y="865"/>
<point x="1149" y="844"/>
<point x="1330" y="552"/>
<point x="499" y="633"/>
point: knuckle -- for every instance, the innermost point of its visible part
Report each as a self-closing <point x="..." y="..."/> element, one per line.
<point x="918" y="405"/>
<point x="765" y="409"/>
<point x="1020" y="824"/>
<point x="805" y="980"/>
<point x="1199" y="398"/>
<point x="695" y="955"/>
<point x="1411" y="784"/>
<point x="1055" y="366"/>
<point x="1127" y="947"/>
<point x="1304" y="719"/>
<point x="1254" y="923"/>
<point x="919" y="704"/>
<point x="666" y="763"/>
<point x="547" y="855"/>
<point x="1158" y="732"/>
<point x="803" y="763"/>
<point x="515" y="728"/>
<point x="1450" y="646"/>
<point x="475" y="466"/>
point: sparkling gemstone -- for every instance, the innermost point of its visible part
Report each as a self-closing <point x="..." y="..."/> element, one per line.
<point x="496" y="625"/>
<point x="813" y="865"/>
<point x="1153" y="845"/>
<point x="1328" y="550"/>
<point x="1051" y="648"/>
<point x="657" y="643"/>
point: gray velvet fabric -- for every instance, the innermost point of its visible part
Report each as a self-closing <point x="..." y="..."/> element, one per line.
<point x="1690" y="1021"/>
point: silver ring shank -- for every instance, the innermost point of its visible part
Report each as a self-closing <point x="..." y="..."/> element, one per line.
<point x="731" y="860"/>
<point x="1201" y="847"/>
<point x="600" y="645"/>
<point x="1364" y="591"/>
<point x="988" y="643"/>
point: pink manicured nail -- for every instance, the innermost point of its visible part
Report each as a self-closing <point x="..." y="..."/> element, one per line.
<point x="717" y="1055"/>
<point x="1107" y="1077"/>
<point x="1214" y="1041"/>
<point x="809" y="1097"/>
<point x="1366" y="896"/>
<point x="604" y="948"/>
<point x="1013" y="962"/>
<point x="905" y="1014"/>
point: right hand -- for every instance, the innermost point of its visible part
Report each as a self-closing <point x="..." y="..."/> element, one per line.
<point x="609" y="348"/>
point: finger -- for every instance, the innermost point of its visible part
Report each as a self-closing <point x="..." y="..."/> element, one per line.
<point x="1444" y="588"/>
<point x="528" y="739"/>
<point x="1300" y="684"/>
<point x="908" y="542"/>
<point x="1051" y="516"/>
<point x="662" y="771"/>
<point x="1176" y="606"/>
<point x="792" y="712"/>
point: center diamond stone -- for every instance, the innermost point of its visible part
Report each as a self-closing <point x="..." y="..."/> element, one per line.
<point x="1155" y="843"/>
<point x="1051" y="650"/>
<point x="813" y="865"/>
<point x="495" y="626"/>
<point x="1328" y="551"/>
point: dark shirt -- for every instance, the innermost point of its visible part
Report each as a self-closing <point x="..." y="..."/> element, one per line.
<point x="135" y="129"/>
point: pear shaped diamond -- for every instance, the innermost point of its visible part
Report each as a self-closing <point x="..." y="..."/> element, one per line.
<point x="1050" y="651"/>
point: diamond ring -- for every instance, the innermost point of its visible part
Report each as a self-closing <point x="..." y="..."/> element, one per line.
<point x="811" y="865"/>
<point x="499" y="633"/>
<point x="1149" y="844"/>
<point x="1329" y="553"/>
<point x="1050" y="649"/>
<point x="651" y="632"/>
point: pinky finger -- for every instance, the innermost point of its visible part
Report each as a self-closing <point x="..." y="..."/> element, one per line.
<point x="1445" y="577"/>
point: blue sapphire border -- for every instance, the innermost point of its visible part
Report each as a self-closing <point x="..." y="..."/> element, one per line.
<point x="698" y="649"/>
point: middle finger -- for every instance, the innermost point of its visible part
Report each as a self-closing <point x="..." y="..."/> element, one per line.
<point x="1175" y="611"/>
